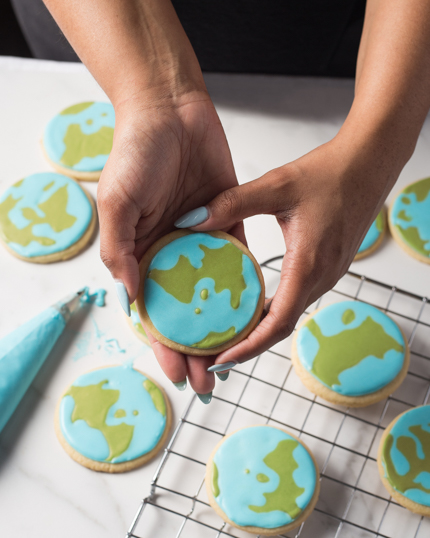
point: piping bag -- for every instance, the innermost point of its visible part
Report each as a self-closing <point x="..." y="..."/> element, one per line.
<point x="23" y="351"/>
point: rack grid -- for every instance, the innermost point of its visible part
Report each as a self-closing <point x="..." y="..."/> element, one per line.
<point x="344" y="441"/>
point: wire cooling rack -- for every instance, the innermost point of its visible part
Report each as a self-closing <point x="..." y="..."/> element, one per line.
<point x="353" y="503"/>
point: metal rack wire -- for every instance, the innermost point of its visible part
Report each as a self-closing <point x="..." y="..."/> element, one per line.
<point x="353" y="503"/>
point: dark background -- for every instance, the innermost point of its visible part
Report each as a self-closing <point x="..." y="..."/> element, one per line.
<point x="12" y="42"/>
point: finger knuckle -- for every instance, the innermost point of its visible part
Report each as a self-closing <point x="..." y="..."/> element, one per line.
<point x="230" y="202"/>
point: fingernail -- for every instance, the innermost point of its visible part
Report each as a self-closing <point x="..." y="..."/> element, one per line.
<point x="192" y="218"/>
<point x="222" y="367"/>
<point x="181" y="385"/>
<point x="224" y="376"/>
<point x="205" y="398"/>
<point x="123" y="296"/>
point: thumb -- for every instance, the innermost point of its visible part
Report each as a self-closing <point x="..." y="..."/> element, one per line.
<point x="231" y="206"/>
<point x="117" y="245"/>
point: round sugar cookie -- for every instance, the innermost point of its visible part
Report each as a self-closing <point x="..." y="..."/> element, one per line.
<point x="113" y="419"/>
<point x="262" y="480"/>
<point x="409" y="219"/>
<point x="199" y="293"/>
<point x="374" y="237"/>
<point x="136" y="325"/>
<point x="46" y="217"/>
<point x="77" y="141"/>
<point x="350" y="353"/>
<point x="404" y="459"/>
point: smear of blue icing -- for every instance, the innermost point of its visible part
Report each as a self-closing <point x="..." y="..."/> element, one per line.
<point x="53" y="138"/>
<point x="371" y="237"/>
<point x="246" y="449"/>
<point x="369" y="375"/>
<point x="148" y="424"/>
<point x="178" y="321"/>
<point x="417" y="416"/>
<point x="29" y="194"/>
<point x="418" y="212"/>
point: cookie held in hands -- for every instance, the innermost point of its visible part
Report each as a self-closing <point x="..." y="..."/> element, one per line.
<point x="199" y="293"/>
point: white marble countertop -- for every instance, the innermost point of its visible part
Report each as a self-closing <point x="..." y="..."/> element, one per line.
<point x="268" y="121"/>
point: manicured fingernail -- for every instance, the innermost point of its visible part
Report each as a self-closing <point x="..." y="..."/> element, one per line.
<point x="192" y="218"/>
<point x="222" y="367"/>
<point x="224" y="376"/>
<point x="123" y="296"/>
<point x="205" y="398"/>
<point x="182" y="385"/>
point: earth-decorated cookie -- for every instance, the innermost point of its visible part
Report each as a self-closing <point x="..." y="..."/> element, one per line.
<point x="374" y="236"/>
<point x="113" y="419"/>
<point x="46" y="217"/>
<point x="262" y="480"/>
<point x="409" y="220"/>
<point x="200" y="293"/>
<point x="350" y="353"/>
<point x="136" y="325"/>
<point x="404" y="459"/>
<point x="77" y="141"/>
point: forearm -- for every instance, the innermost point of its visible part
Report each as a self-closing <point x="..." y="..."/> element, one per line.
<point x="392" y="96"/>
<point x="132" y="47"/>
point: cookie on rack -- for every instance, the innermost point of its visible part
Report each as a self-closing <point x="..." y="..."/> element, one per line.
<point x="409" y="220"/>
<point x="136" y="325"/>
<point x="77" y="141"/>
<point x="374" y="236"/>
<point x="113" y="419"/>
<point x="404" y="459"/>
<point x="200" y="293"/>
<point x="350" y="353"/>
<point x="46" y="217"/>
<point x="263" y="480"/>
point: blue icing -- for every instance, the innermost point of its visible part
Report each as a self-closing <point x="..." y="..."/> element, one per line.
<point x="424" y="479"/>
<point x="370" y="374"/>
<point x="178" y="321"/>
<point x="100" y="114"/>
<point x="148" y="423"/>
<point x="371" y="237"/>
<point x="246" y="449"/>
<point x="30" y="193"/>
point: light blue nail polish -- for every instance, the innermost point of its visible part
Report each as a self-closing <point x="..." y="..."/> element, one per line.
<point x="192" y="218"/>
<point x="224" y="376"/>
<point x="181" y="385"/>
<point x="205" y="398"/>
<point x="123" y="296"/>
<point x="222" y="367"/>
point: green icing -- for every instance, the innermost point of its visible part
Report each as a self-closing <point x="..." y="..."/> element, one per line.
<point x="156" y="396"/>
<point x="367" y="339"/>
<point x="75" y="109"/>
<point x="281" y="461"/>
<point x="421" y="189"/>
<point x="138" y="326"/>
<point x="412" y="237"/>
<point x="204" y="294"/>
<point x="214" y="339"/>
<point x="119" y="413"/>
<point x="55" y="214"/>
<point x="135" y="412"/>
<point x="198" y="311"/>
<point x="261" y="477"/>
<point x="215" y="487"/>
<point x="19" y="183"/>
<point x="247" y="471"/>
<point x="92" y="404"/>
<point x="223" y="265"/>
<point x="380" y="221"/>
<point x="406" y="200"/>
<point x="46" y="187"/>
<point x="408" y="447"/>
<point x="348" y="316"/>
<point x="80" y="145"/>
<point x="402" y="216"/>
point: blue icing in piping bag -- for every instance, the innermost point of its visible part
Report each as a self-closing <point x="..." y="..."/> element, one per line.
<point x="23" y="351"/>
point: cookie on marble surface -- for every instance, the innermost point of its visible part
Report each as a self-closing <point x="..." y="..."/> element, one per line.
<point x="113" y="419"/>
<point x="136" y="325"/>
<point x="350" y="353"/>
<point x="46" y="217"/>
<point x="199" y="293"/>
<point x="404" y="459"/>
<point x="374" y="236"/>
<point x="409" y="219"/>
<point x="77" y="141"/>
<point x="263" y="480"/>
